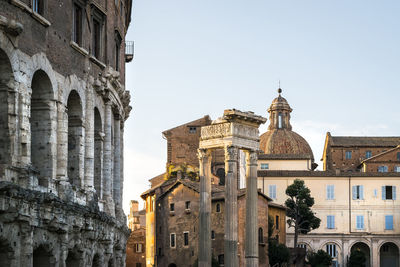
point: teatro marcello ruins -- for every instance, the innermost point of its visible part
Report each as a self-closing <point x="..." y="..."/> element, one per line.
<point x="63" y="105"/>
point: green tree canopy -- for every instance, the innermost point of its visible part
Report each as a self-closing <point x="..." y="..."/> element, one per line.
<point x="319" y="259"/>
<point x="298" y="212"/>
<point x="357" y="259"/>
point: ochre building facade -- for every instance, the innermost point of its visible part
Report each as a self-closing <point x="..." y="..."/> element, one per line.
<point x="63" y="105"/>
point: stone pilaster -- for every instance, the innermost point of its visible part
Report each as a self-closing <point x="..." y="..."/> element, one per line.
<point x="251" y="243"/>
<point x="117" y="163"/>
<point x="62" y="141"/>
<point x="231" y="208"/>
<point x="205" y="209"/>
<point x="89" y="141"/>
<point x="107" y="171"/>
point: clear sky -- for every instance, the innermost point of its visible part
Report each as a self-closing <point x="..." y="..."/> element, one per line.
<point x="338" y="63"/>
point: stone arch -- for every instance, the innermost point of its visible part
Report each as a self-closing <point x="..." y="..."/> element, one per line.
<point x="42" y="125"/>
<point x="6" y="253"/>
<point x="6" y="78"/>
<point x="43" y="257"/>
<point x="364" y="248"/>
<point x="75" y="139"/>
<point x="40" y="62"/>
<point x="389" y="254"/>
<point x="98" y="153"/>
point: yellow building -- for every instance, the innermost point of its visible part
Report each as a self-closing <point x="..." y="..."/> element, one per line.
<point x="357" y="210"/>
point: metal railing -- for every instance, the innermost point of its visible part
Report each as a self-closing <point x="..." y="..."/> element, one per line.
<point x="129" y="50"/>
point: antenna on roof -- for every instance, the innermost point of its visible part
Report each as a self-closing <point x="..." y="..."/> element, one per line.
<point x="279" y="87"/>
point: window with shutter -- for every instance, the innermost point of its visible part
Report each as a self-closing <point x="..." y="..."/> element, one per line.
<point x="389" y="222"/>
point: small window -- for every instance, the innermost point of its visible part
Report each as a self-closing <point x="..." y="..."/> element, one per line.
<point x="187" y="205"/>
<point x="389" y="192"/>
<point x="96" y="38"/>
<point x="218" y="207"/>
<point x="277" y="222"/>
<point x="172" y="240"/>
<point x="272" y="191"/>
<point x="348" y="154"/>
<point x="368" y="154"/>
<point x="192" y="129"/>
<point x="186" y="239"/>
<point x="389" y="222"/>
<point x="396" y="168"/>
<point x="260" y="236"/>
<point x="159" y="251"/>
<point x="139" y="247"/>
<point x="331" y="250"/>
<point x="358" y="192"/>
<point x="212" y="235"/>
<point x="38" y="6"/>
<point x="264" y="166"/>
<point x="330" y="221"/>
<point x="172" y="207"/>
<point x="221" y="259"/>
<point x="360" y="222"/>
<point x="383" y="168"/>
<point x="77" y="24"/>
<point x="330" y="191"/>
<point x="398" y="156"/>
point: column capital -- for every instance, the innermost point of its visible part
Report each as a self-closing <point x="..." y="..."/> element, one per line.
<point x="203" y="153"/>
<point x="231" y="153"/>
<point x="251" y="157"/>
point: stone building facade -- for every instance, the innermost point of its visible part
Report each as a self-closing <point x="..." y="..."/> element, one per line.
<point x="62" y="110"/>
<point x="136" y="245"/>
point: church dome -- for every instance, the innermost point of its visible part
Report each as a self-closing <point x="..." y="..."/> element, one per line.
<point x="280" y="141"/>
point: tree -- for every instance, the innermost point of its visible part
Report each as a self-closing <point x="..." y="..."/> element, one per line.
<point x="319" y="259"/>
<point x="357" y="259"/>
<point x="299" y="213"/>
<point x="277" y="253"/>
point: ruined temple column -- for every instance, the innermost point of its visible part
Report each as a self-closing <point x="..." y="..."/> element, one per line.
<point x="107" y="172"/>
<point x="89" y="141"/>
<point x="117" y="162"/>
<point x="205" y="209"/>
<point x="251" y="243"/>
<point x="231" y="208"/>
<point x="62" y="141"/>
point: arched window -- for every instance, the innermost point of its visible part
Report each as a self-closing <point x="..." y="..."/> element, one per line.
<point x="75" y="139"/>
<point x="280" y="120"/>
<point x="98" y="153"/>
<point x="6" y="75"/>
<point x="260" y="236"/>
<point x="41" y="127"/>
<point x="42" y="257"/>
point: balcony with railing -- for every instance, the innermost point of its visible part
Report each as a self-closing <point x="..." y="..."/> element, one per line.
<point x="129" y="50"/>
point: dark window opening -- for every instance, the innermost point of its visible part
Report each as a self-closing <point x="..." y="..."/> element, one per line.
<point x="77" y="27"/>
<point x="187" y="205"/>
<point x="221" y="176"/>
<point x="118" y="41"/>
<point x="389" y="191"/>
<point x="221" y="259"/>
<point x="260" y="236"/>
<point x="277" y="222"/>
<point x="38" y="6"/>
<point x="398" y="155"/>
<point x="172" y="207"/>
<point x="96" y="38"/>
<point x="218" y="207"/>
<point x="172" y="240"/>
<point x="212" y="234"/>
<point x="186" y="239"/>
<point x="192" y="129"/>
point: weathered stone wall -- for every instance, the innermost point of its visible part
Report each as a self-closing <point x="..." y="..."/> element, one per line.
<point x="59" y="204"/>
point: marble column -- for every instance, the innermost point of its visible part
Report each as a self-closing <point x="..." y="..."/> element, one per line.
<point x="62" y="141"/>
<point x="117" y="163"/>
<point x="251" y="243"/>
<point x="107" y="167"/>
<point x="89" y="141"/>
<point x="205" y="209"/>
<point x="231" y="208"/>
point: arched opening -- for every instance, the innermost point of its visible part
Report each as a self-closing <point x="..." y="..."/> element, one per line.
<point x="73" y="259"/>
<point x="280" y="120"/>
<point x="6" y="76"/>
<point x="389" y="255"/>
<point x="75" y="139"/>
<point x="98" y="153"/>
<point x="260" y="236"/>
<point x="334" y="251"/>
<point x="6" y="253"/>
<point x="364" y="249"/>
<point x="96" y="261"/>
<point x="42" y="257"/>
<point x="41" y="126"/>
<point x="221" y="176"/>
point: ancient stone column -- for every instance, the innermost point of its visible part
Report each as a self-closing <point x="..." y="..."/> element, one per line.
<point x="231" y="208"/>
<point x="62" y="141"/>
<point x="251" y="243"/>
<point x="205" y="209"/>
<point x="117" y="162"/>
<point x="107" y="172"/>
<point x="89" y="141"/>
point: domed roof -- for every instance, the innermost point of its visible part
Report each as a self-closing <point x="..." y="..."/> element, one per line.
<point x="280" y="141"/>
<point x="285" y="143"/>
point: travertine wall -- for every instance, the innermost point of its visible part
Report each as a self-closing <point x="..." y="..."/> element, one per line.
<point x="60" y="203"/>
